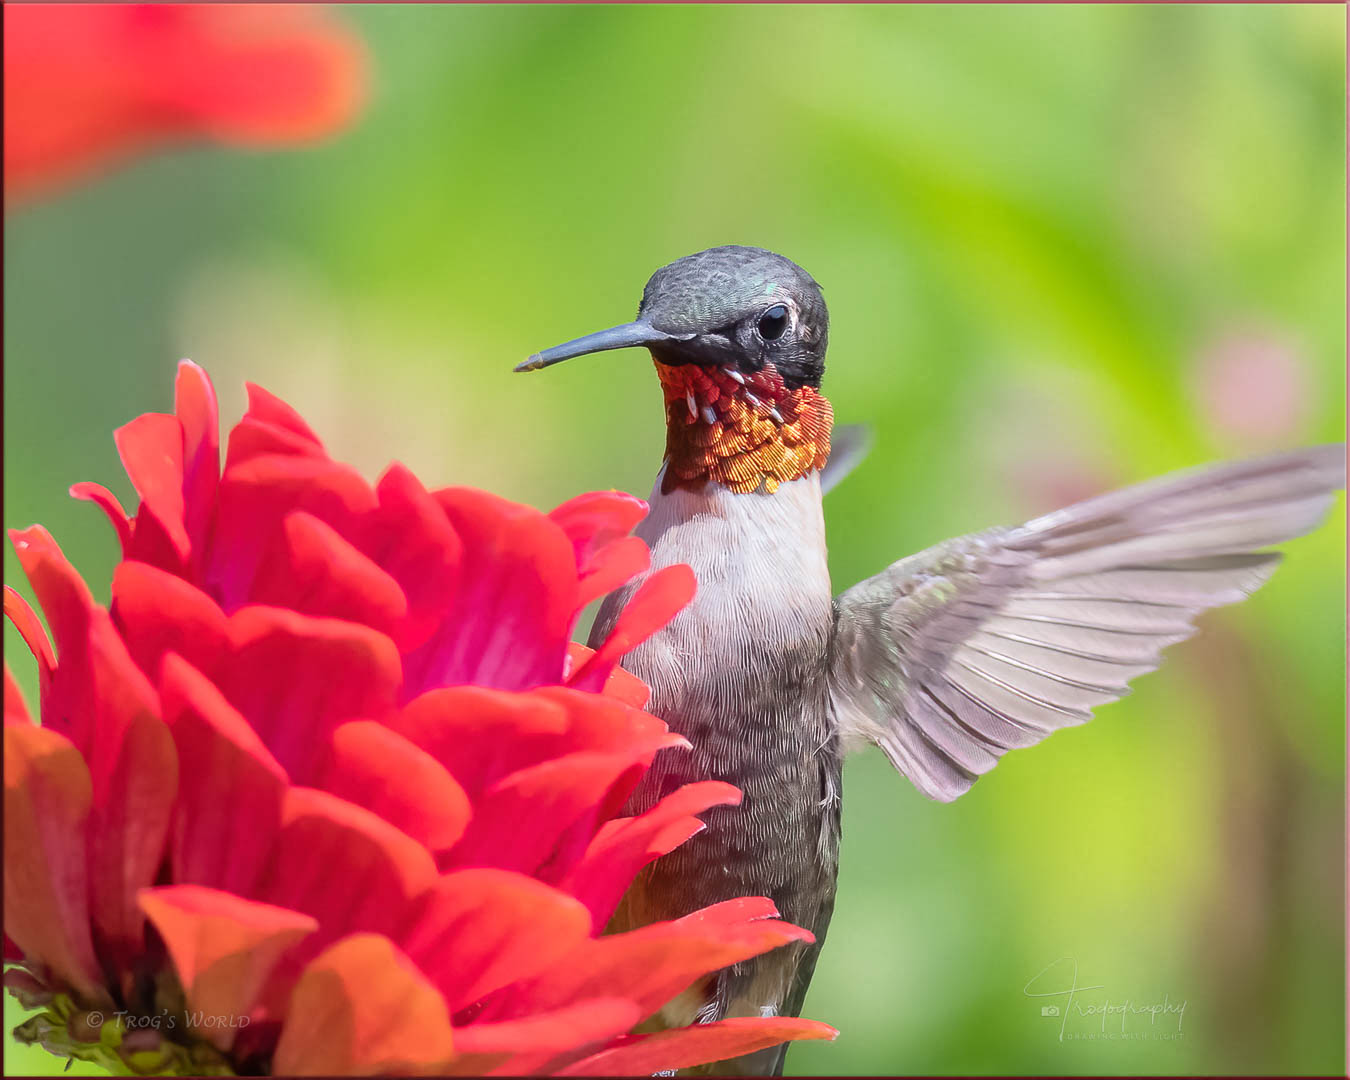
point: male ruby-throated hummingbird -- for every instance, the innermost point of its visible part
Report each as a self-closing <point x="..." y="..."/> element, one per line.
<point x="946" y="659"/>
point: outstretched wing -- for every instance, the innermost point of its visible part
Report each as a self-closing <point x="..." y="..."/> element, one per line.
<point x="987" y="643"/>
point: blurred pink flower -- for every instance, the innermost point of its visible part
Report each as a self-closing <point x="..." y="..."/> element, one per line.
<point x="1252" y="387"/>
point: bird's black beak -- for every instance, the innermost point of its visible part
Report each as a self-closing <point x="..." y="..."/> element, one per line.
<point x="616" y="337"/>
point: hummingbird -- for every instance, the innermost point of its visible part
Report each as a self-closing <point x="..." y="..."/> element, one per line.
<point x="945" y="660"/>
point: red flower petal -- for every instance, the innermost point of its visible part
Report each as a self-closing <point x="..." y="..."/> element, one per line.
<point x="363" y="1008"/>
<point x="47" y="799"/>
<point x="261" y="78"/>
<point x="29" y="626"/>
<point x="229" y="807"/>
<point x="195" y="406"/>
<point x="66" y="601"/>
<point x="410" y="537"/>
<point x="539" y="1045"/>
<point x="557" y="798"/>
<point x="656" y="601"/>
<point x="106" y="501"/>
<point x="624" y="846"/>
<point x="658" y="962"/>
<point x="563" y="800"/>
<point x="223" y="948"/>
<point x="479" y="930"/>
<point x="151" y="447"/>
<point x="340" y="863"/>
<point x="158" y="612"/>
<point x="128" y="829"/>
<point x="596" y="519"/>
<point x="16" y="709"/>
<point x="256" y="496"/>
<point x="379" y="769"/>
<point x="312" y="569"/>
<point x="611" y="567"/>
<point x="701" y="1044"/>
<point x="481" y="735"/>
<point x="265" y="407"/>
<point x="598" y="723"/>
<point x="515" y="604"/>
<point x="619" y="684"/>
<point x="296" y="678"/>
<point x="113" y="715"/>
<point x="252" y="438"/>
<point x="94" y="688"/>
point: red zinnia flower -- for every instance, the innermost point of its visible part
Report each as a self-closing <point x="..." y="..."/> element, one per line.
<point x="88" y="84"/>
<point x="328" y="789"/>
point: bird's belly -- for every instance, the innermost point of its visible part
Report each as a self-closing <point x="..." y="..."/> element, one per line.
<point x="741" y="674"/>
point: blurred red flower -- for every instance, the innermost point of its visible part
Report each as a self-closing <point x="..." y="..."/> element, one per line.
<point x="89" y="84"/>
<point x="329" y="790"/>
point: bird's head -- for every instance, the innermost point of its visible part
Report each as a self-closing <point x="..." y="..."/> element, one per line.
<point x="739" y="337"/>
<point x="741" y="308"/>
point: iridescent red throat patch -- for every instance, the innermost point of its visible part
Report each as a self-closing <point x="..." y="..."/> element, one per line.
<point x="740" y="431"/>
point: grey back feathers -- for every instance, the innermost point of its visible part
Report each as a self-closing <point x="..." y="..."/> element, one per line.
<point x="952" y="657"/>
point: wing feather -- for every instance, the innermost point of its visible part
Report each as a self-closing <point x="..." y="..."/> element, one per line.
<point x="952" y="657"/>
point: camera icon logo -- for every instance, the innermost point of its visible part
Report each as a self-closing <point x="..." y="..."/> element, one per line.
<point x="1049" y="1010"/>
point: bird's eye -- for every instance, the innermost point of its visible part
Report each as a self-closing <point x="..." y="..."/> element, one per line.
<point x="773" y="322"/>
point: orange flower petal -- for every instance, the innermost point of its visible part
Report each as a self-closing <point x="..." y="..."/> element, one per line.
<point x="478" y="930"/>
<point x="223" y="948"/>
<point x="540" y="1044"/>
<point x="47" y="799"/>
<point x="362" y="1008"/>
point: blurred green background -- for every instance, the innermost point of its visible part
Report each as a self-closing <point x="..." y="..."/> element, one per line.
<point x="1064" y="248"/>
